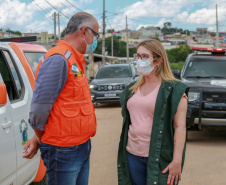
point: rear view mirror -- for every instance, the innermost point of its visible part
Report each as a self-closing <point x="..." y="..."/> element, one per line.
<point x="3" y="94"/>
<point x="176" y="74"/>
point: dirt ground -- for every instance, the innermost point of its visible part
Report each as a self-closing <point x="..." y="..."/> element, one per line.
<point x="205" y="162"/>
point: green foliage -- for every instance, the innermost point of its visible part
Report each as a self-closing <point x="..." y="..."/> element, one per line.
<point x="168" y="29"/>
<point x="13" y="32"/>
<point x="177" y="66"/>
<point x="119" y="47"/>
<point x="63" y="33"/>
<point x="213" y="34"/>
<point x="110" y="30"/>
<point x="177" y="55"/>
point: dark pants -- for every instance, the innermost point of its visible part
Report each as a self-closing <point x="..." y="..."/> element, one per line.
<point x="67" y="165"/>
<point x="137" y="169"/>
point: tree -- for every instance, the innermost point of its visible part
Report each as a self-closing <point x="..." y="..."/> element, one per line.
<point x="168" y="25"/>
<point x="177" y="55"/>
<point x="110" y="30"/>
<point x="118" y="46"/>
<point x="13" y="32"/>
<point x="213" y="34"/>
<point x="63" y="33"/>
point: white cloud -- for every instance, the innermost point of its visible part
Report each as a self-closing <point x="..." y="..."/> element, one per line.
<point x="202" y="16"/>
<point x="14" y="13"/>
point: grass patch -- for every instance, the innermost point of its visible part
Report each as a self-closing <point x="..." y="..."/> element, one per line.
<point x="176" y="66"/>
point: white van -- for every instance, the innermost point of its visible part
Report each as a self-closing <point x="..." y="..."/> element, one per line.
<point x="18" y="63"/>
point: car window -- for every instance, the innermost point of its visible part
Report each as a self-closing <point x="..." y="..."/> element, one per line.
<point x="10" y="76"/>
<point x="206" y="67"/>
<point x="114" y="72"/>
<point x="33" y="59"/>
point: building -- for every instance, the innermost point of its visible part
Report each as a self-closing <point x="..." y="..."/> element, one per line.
<point x="45" y="37"/>
<point x="29" y="34"/>
<point x="201" y="30"/>
<point x="222" y="34"/>
<point x="149" y="31"/>
<point x="8" y="34"/>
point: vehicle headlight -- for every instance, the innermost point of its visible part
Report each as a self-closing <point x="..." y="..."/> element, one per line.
<point x="193" y="96"/>
<point x="91" y="86"/>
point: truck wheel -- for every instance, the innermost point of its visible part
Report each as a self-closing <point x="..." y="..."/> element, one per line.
<point x="44" y="181"/>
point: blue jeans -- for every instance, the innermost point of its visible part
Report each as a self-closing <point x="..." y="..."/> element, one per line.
<point x="67" y="165"/>
<point x="137" y="169"/>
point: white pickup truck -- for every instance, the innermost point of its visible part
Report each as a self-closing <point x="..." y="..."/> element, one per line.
<point x="18" y="63"/>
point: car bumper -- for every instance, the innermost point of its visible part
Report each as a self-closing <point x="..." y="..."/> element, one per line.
<point x="105" y="96"/>
<point x="202" y="115"/>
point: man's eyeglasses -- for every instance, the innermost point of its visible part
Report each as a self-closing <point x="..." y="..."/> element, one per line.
<point x="143" y="56"/>
<point x="96" y="34"/>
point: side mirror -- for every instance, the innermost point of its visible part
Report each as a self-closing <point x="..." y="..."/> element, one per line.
<point x="91" y="77"/>
<point x="135" y="77"/>
<point x="3" y="94"/>
<point x="176" y="73"/>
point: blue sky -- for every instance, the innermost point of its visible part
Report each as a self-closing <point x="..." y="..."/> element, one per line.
<point x="36" y="15"/>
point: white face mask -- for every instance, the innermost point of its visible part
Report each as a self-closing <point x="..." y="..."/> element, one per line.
<point x="144" y="67"/>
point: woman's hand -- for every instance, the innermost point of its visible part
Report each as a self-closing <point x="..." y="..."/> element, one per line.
<point x="174" y="169"/>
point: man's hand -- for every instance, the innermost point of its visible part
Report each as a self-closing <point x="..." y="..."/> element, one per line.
<point x="30" y="148"/>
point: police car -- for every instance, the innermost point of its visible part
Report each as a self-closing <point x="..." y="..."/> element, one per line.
<point x="18" y="63"/>
<point x="204" y="72"/>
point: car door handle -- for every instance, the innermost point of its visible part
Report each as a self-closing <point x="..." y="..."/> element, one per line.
<point x="7" y="125"/>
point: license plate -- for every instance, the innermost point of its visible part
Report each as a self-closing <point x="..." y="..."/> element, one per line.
<point x="110" y="94"/>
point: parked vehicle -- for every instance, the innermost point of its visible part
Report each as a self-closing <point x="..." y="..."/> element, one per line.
<point x="18" y="64"/>
<point x="110" y="81"/>
<point x="204" y="72"/>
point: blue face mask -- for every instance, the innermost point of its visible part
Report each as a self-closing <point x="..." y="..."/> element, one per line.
<point x="91" y="47"/>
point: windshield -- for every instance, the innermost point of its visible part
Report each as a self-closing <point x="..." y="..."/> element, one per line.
<point x="212" y="67"/>
<point x="33" y="58"/>
<point x="114" y="72"/>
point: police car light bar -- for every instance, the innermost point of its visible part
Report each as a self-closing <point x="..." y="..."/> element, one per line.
<point x="213" y="50"/>
<point x="19" y="39"/>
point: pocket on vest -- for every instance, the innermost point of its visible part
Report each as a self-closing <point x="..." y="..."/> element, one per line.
<point x="77" y="120"/>
<point x="88" y="119"/>
<point x="70" y="121"/>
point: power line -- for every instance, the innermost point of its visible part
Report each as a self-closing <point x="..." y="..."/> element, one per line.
<point x="74" y="6"/>
<point x="56" y="9"/>
<point x="40" y="9"/>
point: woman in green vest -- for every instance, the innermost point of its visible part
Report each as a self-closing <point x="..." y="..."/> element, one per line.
<point x="152" y="142"/>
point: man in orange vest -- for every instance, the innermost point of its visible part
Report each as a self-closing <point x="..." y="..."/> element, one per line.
<point x="62" y="113"/>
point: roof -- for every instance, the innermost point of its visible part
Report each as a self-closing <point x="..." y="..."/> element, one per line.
<point x="116" y="65"/>
<point x="220" y="38"/>
<point x="30" y="47"/>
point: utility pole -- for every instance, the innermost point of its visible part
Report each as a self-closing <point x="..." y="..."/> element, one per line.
<point x="54" y="15"/>
<point x="59" y="25"/>
<point x="112" y="44"/>
<point x="127" y="45"/>
<point x="103" y="37"/>
<point x="217" y="33"/>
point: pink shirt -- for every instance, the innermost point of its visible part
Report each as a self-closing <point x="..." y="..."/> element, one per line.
<point x="141" y="109"/>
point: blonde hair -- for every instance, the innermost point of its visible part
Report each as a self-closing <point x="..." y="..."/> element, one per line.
<point x="163" y="69"/>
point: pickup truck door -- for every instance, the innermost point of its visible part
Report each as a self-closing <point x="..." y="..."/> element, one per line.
<point x="20" y="94"/>
<point x="7" y="144"/>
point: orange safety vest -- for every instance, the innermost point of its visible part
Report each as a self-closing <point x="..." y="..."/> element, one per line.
<point x="72" y="120"/>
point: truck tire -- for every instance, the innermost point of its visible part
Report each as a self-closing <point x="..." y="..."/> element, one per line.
<point x="44" y="181"/>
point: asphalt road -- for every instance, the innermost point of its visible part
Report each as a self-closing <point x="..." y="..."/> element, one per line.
<point x="205" y="162"/>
